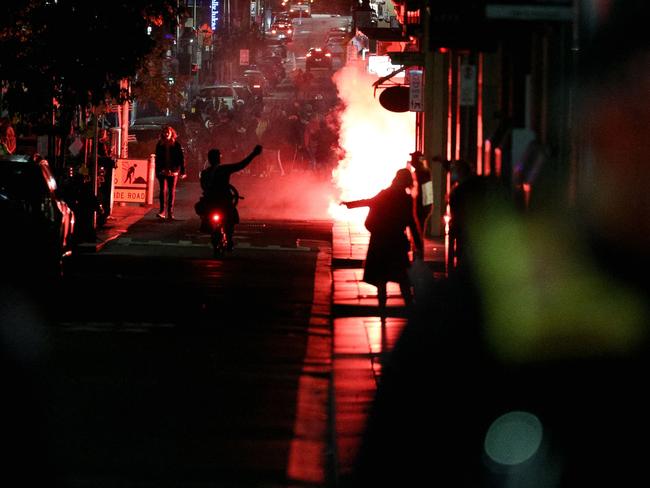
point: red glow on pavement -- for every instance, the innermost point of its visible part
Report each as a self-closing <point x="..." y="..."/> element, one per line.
<point x="376" y="142"/>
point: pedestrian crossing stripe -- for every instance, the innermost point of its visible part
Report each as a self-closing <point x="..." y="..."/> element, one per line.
<point x="130" y="327"/>
<point x="127" y="241"/>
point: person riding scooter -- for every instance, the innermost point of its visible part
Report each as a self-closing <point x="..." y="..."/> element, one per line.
<point x="217" y="193"/>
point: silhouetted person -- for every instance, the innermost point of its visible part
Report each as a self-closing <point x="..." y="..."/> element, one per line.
<point x="464" y="184"/>
<point x="215" y="183"/>
<point x="424" y="198"/>
<point x="170" y="165"/>
<point x="469" y="195"/>
<point x="391" y="214"/>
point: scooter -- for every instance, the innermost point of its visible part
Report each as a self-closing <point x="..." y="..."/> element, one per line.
<point x="213" y="221"/>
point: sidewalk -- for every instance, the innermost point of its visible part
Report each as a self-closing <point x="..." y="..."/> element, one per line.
<point x="122" y="217"/>
<point x="360" y="338"/>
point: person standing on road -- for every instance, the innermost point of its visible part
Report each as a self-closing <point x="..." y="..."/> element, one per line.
<point x="170" y="165"/>
<point x="391" y="214"/>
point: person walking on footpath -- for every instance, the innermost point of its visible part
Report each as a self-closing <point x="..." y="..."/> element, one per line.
<point x="170" y="165"/>
<point x="391" y="214"/>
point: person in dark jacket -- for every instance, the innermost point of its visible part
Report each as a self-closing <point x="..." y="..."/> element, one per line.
<point x="215" y="183"/>
<point x="424" y="197"/>
<point x="170" y="165"/>
<point x="391" y="214"/>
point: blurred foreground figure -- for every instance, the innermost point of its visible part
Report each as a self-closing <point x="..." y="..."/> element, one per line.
<point x="527" y="367"/>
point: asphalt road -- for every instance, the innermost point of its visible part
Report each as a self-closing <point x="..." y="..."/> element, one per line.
<point x="160" y="366"/>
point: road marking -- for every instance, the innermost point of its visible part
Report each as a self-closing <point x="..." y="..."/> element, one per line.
<point x="129" y="327"/>
<point x="127" y="241"/>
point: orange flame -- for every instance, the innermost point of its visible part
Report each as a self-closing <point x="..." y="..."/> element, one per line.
<point x="376" y="142"/>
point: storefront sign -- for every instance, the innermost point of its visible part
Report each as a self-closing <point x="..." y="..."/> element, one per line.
<point x="468" y="85"/>
<point x="244" y="55"/>
<point x="395" y="98"/>
<point x="416" y="91"/>
<point x="382" y="66"/>
<point x="557" y="10"/>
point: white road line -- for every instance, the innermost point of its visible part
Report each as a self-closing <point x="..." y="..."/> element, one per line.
<point x="125" y="241"/>
<point x="138" y="327"/>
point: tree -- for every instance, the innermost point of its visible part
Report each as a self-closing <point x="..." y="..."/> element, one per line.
<point x="73" y="53"/>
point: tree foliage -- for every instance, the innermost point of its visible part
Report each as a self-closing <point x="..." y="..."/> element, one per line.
<point x="77" y="51"/>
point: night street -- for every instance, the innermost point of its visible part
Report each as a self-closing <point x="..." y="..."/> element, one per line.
<point x="324" y="243"/>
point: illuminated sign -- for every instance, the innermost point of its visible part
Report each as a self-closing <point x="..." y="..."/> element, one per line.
<point x="214" y="14"/>
<point x="382" y="66"/>
<point x="416" y="91"/>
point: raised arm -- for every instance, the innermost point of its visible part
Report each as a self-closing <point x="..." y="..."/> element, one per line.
<point x="232" y="168"/>
<point x="358" y="203"/>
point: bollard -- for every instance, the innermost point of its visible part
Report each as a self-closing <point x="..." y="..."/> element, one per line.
<point x="151" y="177"/>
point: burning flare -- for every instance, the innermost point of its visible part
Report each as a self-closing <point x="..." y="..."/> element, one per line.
<point x="376" y="142"/>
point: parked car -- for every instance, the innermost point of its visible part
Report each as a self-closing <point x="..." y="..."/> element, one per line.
<point x="218" y="95"/>
<point x="318" y="58"/>
<point x="38" y="223"/>
<point x="145" y="132"/>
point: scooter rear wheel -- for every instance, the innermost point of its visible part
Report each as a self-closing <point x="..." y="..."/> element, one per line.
<point x="219" y="243"/>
